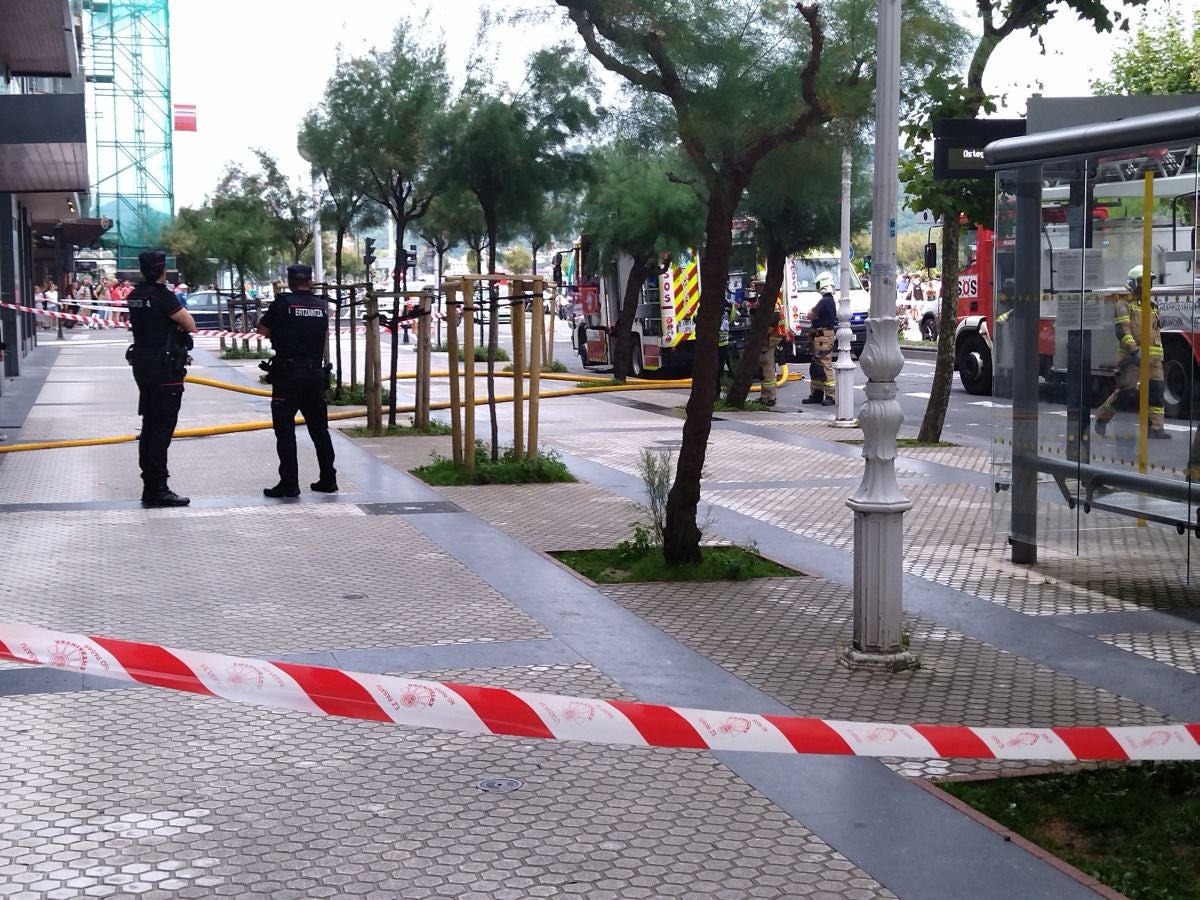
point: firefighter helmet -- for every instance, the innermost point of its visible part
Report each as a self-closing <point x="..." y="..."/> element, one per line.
<point x="825" y="283"/>
<point x="1134" y="278"/>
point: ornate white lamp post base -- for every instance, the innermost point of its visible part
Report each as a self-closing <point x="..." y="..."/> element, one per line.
<point x="844" y="366"/>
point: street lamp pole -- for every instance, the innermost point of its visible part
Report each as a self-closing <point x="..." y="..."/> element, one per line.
<point x="878" y="503"/>
<point x="318" y="261"/>
<point x="305" y="152"/>
<point x="844" y="366"/>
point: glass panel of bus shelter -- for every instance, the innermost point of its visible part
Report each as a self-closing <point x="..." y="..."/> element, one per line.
<point x="1042" y="271"/>
<point x="1138" y="502"/>
<point x="1185" y="228"/>
<point x="994" y="251"/>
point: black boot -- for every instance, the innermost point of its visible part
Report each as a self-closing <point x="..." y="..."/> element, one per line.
<point x="158" y="495"/>
<point x="325" y="486"/>
<point x="282" y="490"/>
<point x="818" y="397"/>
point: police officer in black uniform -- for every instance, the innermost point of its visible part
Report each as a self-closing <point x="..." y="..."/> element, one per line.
<point x="161" y="340"/>
<point x="298" y="325"/>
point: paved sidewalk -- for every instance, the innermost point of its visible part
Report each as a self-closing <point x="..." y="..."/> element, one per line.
<point x="116" y="791"/>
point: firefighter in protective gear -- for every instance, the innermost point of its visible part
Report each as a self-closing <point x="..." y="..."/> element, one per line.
<point x="724" y="353"/>
<point x="824" y="334"/>
<point x="1128" y="325"/>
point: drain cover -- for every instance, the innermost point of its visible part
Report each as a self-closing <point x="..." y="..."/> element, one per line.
<point x="500" y="785"/>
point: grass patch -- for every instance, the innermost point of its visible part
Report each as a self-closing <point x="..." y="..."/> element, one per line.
<point x="636" y="561"/>
<point x="750" y="406"/>
<point x="354" y="395"/>
<point x="545" y="468"/>
<point x="555" y="366"/>
<point x="481" y="354"/>
<point x="243" y="353"/>
<point x="1136" y="828"/>
<point x="362" y="431"/>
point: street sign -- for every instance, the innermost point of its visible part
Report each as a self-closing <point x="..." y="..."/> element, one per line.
<point x="958" y="145"/>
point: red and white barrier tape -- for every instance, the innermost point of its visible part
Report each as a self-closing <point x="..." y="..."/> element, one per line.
<point x="236" y="335"/>
<point x="488" y="710"/>
<point x="71" y="317"/>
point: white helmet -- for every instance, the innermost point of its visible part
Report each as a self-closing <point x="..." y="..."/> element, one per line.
<point x="825" y="282"/>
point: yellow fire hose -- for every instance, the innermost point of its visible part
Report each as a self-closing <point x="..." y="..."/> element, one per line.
<point x="213" y="430"/>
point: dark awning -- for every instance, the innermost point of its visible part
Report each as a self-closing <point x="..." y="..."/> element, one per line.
<point x="43" y="143"/>
<point x="38" y="38"/>
<point x="84" y="232"/>
<point x="1155" y="130"/>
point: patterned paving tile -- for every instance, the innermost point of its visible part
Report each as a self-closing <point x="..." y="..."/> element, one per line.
<point x="782" y="635"/>
<point x="1180" y="649"/>
<point x="231" y="800"/>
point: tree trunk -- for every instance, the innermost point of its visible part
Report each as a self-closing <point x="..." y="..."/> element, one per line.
<point x="760" y="328"/>
<point x="622" y="338"/>
<point x="399" y="249"/>
<point x="681" y="536"/>
<point x="533" y="252"/>
<point x="493" y="331"/>
<point x="943" y="375"/>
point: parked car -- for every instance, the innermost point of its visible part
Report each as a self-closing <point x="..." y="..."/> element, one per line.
<point x="203" y="305"/>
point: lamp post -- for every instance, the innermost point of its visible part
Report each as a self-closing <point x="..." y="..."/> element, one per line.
<point x="844" y="366"/>
<point x="878" y="503"/>
<point x="306" y="154"/>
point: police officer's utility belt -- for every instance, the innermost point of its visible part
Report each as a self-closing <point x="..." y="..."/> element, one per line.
<point x="162" y="353"/>
<point x="303" y="363"/>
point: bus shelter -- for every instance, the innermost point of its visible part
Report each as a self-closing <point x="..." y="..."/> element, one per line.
<point x="1096" y="449"/>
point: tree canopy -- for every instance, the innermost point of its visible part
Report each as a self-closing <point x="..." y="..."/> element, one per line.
<point x="387" y="108"/>
<point x="1161" y="58"/>
<point x="633" y="208"/>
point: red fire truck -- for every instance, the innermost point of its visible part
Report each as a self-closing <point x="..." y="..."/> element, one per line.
<point x="1080" y="289"/>
<point x="664" y="328"/>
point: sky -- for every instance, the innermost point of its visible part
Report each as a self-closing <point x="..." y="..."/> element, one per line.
<point x="253" y="68"/>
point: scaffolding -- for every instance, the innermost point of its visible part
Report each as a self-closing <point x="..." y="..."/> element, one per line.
<point x="129" y="103"/>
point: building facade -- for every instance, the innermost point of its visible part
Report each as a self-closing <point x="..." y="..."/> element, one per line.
<point x="43" y="161"/>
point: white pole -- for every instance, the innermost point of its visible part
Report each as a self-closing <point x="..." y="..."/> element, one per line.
<point x="318" y="262"/>
<point x="844" y="366"/>
<point x="878" y="504"/>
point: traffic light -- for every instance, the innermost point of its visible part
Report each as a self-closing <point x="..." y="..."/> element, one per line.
<point x="558" y="272"/>
<point x="369" y="252"/>
<point x="867" y="264"/>
<point x="410" y="258"/>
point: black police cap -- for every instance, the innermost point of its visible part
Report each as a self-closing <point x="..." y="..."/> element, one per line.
<point x="299" y="273"/>
<point x="154" y="260"/>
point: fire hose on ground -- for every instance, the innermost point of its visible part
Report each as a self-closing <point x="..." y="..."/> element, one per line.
<point x="262" y="425"/>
